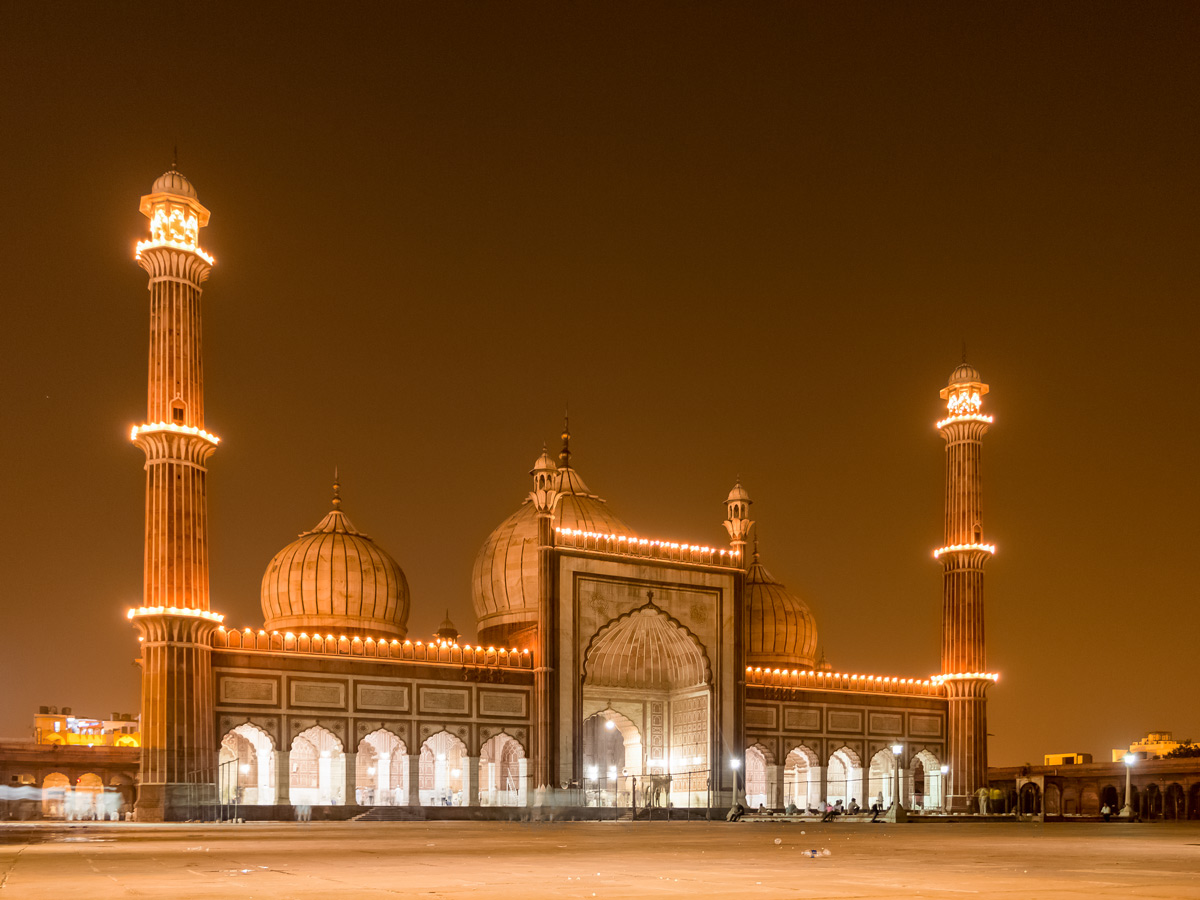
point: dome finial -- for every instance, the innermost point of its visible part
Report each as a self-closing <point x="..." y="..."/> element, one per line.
<point x="565" y="453"/>
<point x="175" y="157"/>
<point x="756" y="546"/>
<point x="964" y="351"/>
<point x="337" y="489"/>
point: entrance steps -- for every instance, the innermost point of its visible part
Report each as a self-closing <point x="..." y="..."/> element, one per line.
<point x="391" y="814"/>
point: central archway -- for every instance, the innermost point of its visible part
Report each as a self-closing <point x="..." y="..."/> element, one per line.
<point x="649" y="679"/>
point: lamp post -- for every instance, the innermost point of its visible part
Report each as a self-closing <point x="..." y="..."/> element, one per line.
<point x="1127" y="809"/>
<point x="735" y="764"/>
<point x="945" y="772"/>
<point x="897" y="813"/>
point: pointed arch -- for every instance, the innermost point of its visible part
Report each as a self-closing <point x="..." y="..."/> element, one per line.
<point x="379" y="770"/>
<point x="648" y="649"/>
<point x="318" y="763"/>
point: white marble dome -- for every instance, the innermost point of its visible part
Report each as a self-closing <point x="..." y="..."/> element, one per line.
<point x="780" y="628"/>
<point x="335" y="580"/>
<point x="504" y="580"/>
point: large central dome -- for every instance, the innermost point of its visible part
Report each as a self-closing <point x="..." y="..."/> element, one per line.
<point x="335" y="579"/>
<point x="504" y="582"/>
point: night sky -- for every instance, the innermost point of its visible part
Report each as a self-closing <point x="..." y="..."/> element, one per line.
<point x="735" y="239"/>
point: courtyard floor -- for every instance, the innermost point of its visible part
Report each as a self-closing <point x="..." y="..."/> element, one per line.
<point x="598" y="859"/>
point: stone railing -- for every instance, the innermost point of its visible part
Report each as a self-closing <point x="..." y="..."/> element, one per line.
<point x="797" y="679"/>
<point x="370" y="648"/>
<point x="624" y="545"/>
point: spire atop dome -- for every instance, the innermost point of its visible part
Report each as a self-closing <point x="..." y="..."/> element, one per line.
<point x="564" y="455"/>
<point x="337" y="490"/>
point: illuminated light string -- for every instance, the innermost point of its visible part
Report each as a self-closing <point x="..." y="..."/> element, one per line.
<point x="154" y="427"/>
<point x="290" y="636"/>
<point x="968" y="676"/>
<point x="176" y="228"/>
<point x="143" y="246"/>
<point x="958" y="548"/>
<point x="968" y="417"/>
<point x="642" y="542"/>
<point x="876" y="679"/>
<point x="966" y="403"/>
<point x="174" y="611"/>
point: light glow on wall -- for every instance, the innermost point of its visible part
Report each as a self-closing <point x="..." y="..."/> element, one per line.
<point x="969" y="417"/>
<point x="154" y="427"/>
<point x="176" y="227"/>
<point x="955" y="548"/>
<point x="174" y="611"/>
<point x="968" y="676"/>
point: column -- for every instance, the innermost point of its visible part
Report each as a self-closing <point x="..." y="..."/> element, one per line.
<point x="775" y="787"/>
<point x="823" y="774"/>
<point x="283" y="777"/>
<point x="351" y="781"/>
<point x="471" y="781"/>
<point x="412" y="766"/>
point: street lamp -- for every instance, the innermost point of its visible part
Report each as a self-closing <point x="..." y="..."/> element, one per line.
<point x="1127" y="809"/>
<point x="945" y="772"/>
<point x="735" y="764"/>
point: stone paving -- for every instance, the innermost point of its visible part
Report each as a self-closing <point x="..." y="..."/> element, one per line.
<point x="599" y="859"/>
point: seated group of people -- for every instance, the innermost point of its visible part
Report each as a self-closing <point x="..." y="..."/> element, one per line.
<point x="828" y="811"/>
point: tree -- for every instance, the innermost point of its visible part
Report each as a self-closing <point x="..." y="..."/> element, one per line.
<point x="1183" y="751"/>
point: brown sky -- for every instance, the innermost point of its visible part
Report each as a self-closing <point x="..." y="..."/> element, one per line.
<point x="736" y="238"/>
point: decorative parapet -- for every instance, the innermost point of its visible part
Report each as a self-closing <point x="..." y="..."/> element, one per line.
<point x="627" y="545"/>
<point x="370" y="648"/>
<point x="797" y="679"/>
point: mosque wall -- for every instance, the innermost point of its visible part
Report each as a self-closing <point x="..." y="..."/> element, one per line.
<point x="353" y="697"/>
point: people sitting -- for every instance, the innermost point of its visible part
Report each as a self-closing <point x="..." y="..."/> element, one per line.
<point x="829" y="813"/>
<point x="791" y="809"/>
<point x="853" y="809"/>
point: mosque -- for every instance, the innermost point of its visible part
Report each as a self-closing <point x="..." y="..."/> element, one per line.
<point x="609" y="669"/>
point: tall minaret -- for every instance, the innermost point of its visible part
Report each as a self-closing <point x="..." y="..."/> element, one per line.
<point x="178" y="767"/>
<point x="963" y="556"/>
<point x="544" y="497"/>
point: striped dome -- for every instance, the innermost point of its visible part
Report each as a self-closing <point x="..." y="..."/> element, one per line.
<point x="335" y="579"/>
<point x="504" y="581"/>
<point x="964" y="374"/>
<point x="780" y="628"/>
<point x="173" y="182"/>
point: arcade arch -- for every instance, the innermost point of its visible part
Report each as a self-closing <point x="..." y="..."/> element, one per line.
<point x="379" y="770"/>
<point x="756" y="777"/>
<point x="802" y="778"/>
<point x="612" y="758"/>
<point x="927" y="782"/>
<point x="844" y="776"/>
<point x="246" y="766"/>
<point x="318" y="769"/>
<point x="502" y="772"/>
<point x="881" y="778"/>
<point x="443" y="758"/>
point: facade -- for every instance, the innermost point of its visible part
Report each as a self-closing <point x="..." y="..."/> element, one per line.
<point x="1158" y="789"/>
<point x="609" y="670"/>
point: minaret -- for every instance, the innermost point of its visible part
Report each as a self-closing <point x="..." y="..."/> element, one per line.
<point x="963" y="556"/>
<point x="178" y="769"/>
<point x="737" y="506"/>
<point x="544" y="498"/>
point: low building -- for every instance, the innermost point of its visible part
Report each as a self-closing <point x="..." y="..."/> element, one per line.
<point x="1158" y="788"/>
<point x="1067" y="759"/>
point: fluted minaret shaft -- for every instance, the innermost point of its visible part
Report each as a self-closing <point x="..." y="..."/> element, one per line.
<point x="178" y="770"/>
<point x="963" y="556"/>
<point x="176" y="554"/>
